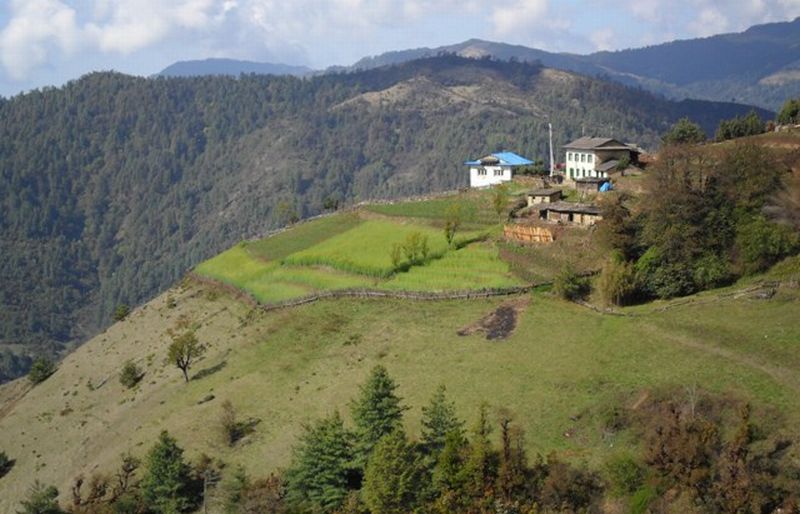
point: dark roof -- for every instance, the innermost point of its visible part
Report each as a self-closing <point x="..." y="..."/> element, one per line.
<point x="608" y="165"/>
<point x="591" y="180"/>
<point x="544" y="192"/>
<point x="598" y="143"/>
<point x="570" y="207"/>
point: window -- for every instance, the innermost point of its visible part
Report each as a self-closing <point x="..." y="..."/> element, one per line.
<point x="590" y="157"/>
<point x="569" y="156"/>
<point x="498" y="172"/>
<point x="583" y="157"/>
<point x="572" y="173"/>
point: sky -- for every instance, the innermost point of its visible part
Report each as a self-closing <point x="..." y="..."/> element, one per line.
<point x="49" y="42"/>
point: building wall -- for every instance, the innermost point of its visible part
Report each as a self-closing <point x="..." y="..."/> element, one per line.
<point x="580" y="164"/>
<point x="483" y="176"/>
<point x="533" y="200"/>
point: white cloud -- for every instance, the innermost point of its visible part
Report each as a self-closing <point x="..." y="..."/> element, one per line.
<point x="709" y="21"/>
<point x="37" y="26"/>
<point x="603" y="39"/>
<point x="519" y="15"/>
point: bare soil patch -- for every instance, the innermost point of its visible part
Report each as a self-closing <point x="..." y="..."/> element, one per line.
<point x="498" y="324"/>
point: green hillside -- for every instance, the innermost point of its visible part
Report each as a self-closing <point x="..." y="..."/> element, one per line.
<point x="144" y="178"/>
<point x="562" y="372"/>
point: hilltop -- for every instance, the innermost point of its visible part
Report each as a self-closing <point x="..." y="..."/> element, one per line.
<point x="757" y="66"/>
<point x="145" y="178"/>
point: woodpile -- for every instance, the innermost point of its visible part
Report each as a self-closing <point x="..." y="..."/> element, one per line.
<point x="528" y="233"/>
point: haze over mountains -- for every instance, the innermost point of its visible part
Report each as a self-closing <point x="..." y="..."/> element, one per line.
<point x="760" y="66"/>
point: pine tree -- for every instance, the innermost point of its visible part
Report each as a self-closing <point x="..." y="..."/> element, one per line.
<point x="41" y="499"/>
<point x="448" y="475"/>
<point x="166" y="483"/>
<point x="319" y="475"/>
<point x="393" y="476"/>
<point x="513" y="461"/>
<point x="438" y="420"/>
<point x="377" y="412"/>
<point x="480" y="468"/>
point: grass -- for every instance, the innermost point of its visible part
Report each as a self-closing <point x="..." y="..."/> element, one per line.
<point x="302" y="236"/>
<point x="366" y="249"/>
<point x="476" y="266"/>
<point x="559" y="373"/>
<point x="476" y="209"/>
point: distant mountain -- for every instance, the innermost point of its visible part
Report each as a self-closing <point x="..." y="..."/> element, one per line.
<point x="230" y="67"/>
<point x="760" y="66"/>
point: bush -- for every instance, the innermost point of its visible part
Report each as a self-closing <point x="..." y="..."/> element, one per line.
<point x="617" y="283"/>
<point x="121" y="312"/>
<point x="130" y="375"/>
<point x="625" y="475"/>
<point x="569" y="285"/>
<point x="661" y="279"/>
<point x="711" y="271"/>
<point x="41" y="368"/>
<point x="761" y="244"/>
<point x="5" y="464"/>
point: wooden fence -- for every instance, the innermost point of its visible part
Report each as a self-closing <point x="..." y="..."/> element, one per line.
<point x="369" y="294"/>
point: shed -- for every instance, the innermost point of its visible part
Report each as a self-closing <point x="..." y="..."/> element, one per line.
<point x="548" y="195"/>
<point x="589" y="184"/>
<point x="573" y="213"/>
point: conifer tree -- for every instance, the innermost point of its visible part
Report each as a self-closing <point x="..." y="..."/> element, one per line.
<point x="448" y="476"/>
<point x="438" y="420"/>
<point x="393" y="476"/>
<point x="480" y="468"/>
<point x="376" y="412"/>
<point x="166" y="484"/>
<point x="513" y="461"/>
<point x="41" y="499"/>
<point x="319" y="476"/>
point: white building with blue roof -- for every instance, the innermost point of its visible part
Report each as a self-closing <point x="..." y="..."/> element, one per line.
<point x="495" y="168"/>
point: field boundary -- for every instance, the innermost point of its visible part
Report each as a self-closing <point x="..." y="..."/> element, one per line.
<point x="365" y="293"/>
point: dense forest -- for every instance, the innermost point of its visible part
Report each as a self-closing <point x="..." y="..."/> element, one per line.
<point x="113" y="186"/>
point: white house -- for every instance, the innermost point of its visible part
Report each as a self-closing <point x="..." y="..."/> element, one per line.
<point x="596" y="157"/>
<point x="494" y="169"/>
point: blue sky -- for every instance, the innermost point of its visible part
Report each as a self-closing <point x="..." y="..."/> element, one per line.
<point x="48" y="42"/>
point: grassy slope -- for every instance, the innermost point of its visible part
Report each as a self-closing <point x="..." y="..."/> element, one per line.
<point x="286" y="367"/>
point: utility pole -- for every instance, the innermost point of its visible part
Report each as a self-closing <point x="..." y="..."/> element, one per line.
<point x="552" y="163"/>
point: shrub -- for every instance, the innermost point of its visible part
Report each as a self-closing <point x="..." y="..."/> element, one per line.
<point x="130" y="375"/>
<point x="617" y="283"/>
<point x="121" y="312"/>
<point x="41" y="369"/>
<point x="790" y="112"/>
<point x="41" y="499"/>
<point x="569" y="285"/>
<point x="711" y="271"/>
<point x="658" y="278"/>
<point x="762" y="244"/>
<point x="625" y="475"/>
<point x="5" y="464"/>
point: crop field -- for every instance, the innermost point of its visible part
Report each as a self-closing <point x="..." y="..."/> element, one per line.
<point x="476" y="266"/>
<point x="366" y="249"/>
<point x="302" y="236"/>
<point x="476" y="209"/>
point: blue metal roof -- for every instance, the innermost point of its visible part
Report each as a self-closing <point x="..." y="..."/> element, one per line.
<point x="505" y="158"/>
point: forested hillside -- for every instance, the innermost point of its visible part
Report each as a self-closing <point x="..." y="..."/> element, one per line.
<point x="113" y="186"/>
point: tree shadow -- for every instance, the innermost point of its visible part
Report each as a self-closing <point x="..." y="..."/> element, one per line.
<point x="203" y="373"/>
<point x="6" y="466"/>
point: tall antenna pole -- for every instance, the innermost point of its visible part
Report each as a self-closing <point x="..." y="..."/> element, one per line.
<point x="552" y="163"/>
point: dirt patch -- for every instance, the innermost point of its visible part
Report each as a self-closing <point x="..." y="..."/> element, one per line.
<point x="498" y="324"/>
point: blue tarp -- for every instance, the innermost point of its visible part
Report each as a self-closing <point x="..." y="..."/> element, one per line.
<point x="606" y="187"/>
<point x="506" y="159"/>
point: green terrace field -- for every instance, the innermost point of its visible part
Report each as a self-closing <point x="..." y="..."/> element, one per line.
<point x="354" y="250"/>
